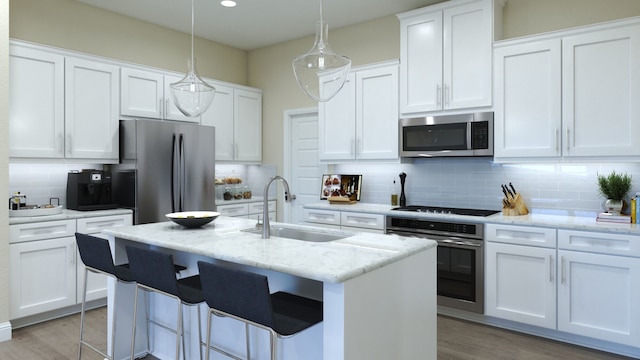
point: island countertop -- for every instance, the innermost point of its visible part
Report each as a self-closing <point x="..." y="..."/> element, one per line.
<point x="334" y="262"/>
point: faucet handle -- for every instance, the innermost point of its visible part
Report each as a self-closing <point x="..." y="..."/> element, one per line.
<point x="259" y="224"/>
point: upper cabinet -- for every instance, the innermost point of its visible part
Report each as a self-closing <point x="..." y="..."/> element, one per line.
<point x="62" y="106"/>
<point x="445" y="57"/>
<point x="236" y="113"/>
<point x="361" y="121"/>
<point x="147" y="94"/>
<point x="571" y="94"/>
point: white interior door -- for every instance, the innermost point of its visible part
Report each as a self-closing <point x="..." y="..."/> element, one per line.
<point x="301" y="166"/>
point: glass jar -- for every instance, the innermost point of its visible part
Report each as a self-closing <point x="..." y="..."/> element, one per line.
<point x="227" y="195"/>
<point x="246" y="193"/>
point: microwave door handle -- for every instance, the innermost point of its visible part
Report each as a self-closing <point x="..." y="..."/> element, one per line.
<point x="469" y="144"/>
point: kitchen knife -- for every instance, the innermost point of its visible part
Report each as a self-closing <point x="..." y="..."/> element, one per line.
<point x="512" y="188"/>
<point x="504" y="191"/>
<point x="509" y="191"/>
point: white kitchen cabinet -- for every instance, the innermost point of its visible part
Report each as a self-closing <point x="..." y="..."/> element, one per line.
<point x="599" y="288"/>
<point x="520" y="274"/>
<point x="361" y="121"/>
<point x="250" y="210"/>
<point x="569" y="95"/>
<point x="97" y="283"/>
<point x="42" y="267"/>
<point x="91" y="110"/>
<point x="36" y="103"/>
<point x="147" y="94"/>
<point x="236" y="114"/>
<point x="528" y="122"/>
<point x="62" y="107"/>
<point x="445" y="57"/>
<point x="345" y="220"/>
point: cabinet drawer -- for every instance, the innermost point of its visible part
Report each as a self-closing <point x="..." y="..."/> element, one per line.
<point x="596" y="242"/>
<point x="327" y="217"/>
<point x="362" y="220"/>
<point x="96" y="224"/>
<point x="521" y="235"/>
<point x="257" y="207"/>
<point x="234" y="209"/>
<point x="41" y="230"/>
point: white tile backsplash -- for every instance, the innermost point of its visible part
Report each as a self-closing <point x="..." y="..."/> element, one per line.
<point x="42" y="182"/>
<point x="475" y="182"/>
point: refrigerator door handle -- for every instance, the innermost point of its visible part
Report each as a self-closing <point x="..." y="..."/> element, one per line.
<point x="183" y="173"/>
<point x="174" y="173"/>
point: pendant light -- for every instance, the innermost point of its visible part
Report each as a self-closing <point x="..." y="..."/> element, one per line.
<point x="192" y="95"/>
<point x="321" y="72"/>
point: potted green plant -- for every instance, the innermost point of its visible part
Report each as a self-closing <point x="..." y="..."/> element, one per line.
<point x="614" y="188"/>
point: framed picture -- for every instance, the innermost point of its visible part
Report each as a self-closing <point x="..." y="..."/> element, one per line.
<point x="347" y="186"/>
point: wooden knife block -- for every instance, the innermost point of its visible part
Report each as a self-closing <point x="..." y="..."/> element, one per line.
<point x="516" y="207"/>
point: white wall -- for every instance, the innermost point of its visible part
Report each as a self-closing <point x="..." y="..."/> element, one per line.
<point x="5" y="333"/>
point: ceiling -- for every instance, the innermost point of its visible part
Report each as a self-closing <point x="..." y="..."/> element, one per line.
<point x="256" y="23"/>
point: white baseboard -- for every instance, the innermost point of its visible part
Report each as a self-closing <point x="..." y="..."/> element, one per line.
<point x="5" y="331"/>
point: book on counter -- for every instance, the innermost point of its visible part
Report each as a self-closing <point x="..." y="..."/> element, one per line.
<point x="616" y="218"/>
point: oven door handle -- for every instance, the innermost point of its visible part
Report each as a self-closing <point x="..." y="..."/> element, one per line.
<point x="445" y="240"/>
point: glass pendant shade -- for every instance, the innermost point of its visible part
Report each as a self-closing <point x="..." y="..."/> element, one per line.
<point x="192" y="95"/>
<point x="321" y="72"/>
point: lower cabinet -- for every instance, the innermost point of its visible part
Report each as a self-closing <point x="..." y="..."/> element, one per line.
<point x="249" y="210"/>
<point x="345" y="220"/>
<point x="587" y="284"/>
<point x="46" y="272"/>
<point x="599" y="292"/>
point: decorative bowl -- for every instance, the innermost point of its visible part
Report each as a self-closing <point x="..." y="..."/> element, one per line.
<point x="193" y="219"/>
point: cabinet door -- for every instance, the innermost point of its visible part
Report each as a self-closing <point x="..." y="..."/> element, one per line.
<point x="421" y="63"/>
<point x="377" y="113"/>
<point x="220" y="115"/>
<point x="247" y="131"/>
<point x="598" y="296"/>
<point x="337" y="124"/>
<point x="601" y="88"/>
<point x="141" y="93"/>
<point x="96" y="283"/>
<point x="42" y="276"/>
<point x="467" y="55"/>
<point x="170" y="110"/>
<point x="521" y="284"/>
<point x="91" y="110"/>
<point x="36" y="103"/>
<point x="528" y="91"/>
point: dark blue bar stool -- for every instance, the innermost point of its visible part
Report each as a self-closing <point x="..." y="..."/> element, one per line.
<point x="97" y="258"/>
<point x="245" y="296"/>
<point x="154" y="271"/>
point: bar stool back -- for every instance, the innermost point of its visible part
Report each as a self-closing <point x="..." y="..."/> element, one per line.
<point x="97" y="258"/>
<point x="154" y="271"/>
<point x="245" y="296"/>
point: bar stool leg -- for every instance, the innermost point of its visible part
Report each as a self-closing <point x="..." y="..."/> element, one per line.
<point x="247" y="340"/>
<point x="82" y="310"/>
<point x="133" y="330"/>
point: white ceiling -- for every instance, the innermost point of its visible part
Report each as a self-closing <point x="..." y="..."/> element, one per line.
<point x="256" y="23"/>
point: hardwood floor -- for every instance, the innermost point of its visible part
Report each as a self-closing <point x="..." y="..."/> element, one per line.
<point x="457" y="340"/>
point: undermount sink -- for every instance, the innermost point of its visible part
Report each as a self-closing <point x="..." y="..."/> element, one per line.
<point x="300" y="234"/>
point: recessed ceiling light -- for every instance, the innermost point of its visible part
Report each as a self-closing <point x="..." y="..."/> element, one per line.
<point x="228" y="3"/>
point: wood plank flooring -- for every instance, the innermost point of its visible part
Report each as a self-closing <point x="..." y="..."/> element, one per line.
<point x="457" y="340"/>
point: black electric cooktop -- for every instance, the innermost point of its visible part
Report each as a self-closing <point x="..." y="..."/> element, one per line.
<point x="446" y="210"/>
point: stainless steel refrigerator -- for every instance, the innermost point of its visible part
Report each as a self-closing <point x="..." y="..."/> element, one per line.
<point x="164" y="167"/>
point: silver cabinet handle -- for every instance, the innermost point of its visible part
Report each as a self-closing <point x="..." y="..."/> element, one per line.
<point x="61" y="144"/>
<point x="166" y="108"/>
<point x="568" y="139"/>
<point x="550" y="268"/>
<point x="69" y="144"/>
<point x="557" y="139"/>
<point x="447" y="91"/>
<point x="160" y="107"/>
<point x="562" y="268"/>
<point x="438" y="95"/>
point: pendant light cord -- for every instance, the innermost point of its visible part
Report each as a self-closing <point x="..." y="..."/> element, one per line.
<point x="192" y="27"/>
<point x="321" y="25"/>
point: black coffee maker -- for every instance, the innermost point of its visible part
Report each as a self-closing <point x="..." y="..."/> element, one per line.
<point x="89" y="190"/>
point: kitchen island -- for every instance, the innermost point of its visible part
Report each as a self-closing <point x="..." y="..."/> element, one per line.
<point x="378" y="291"/>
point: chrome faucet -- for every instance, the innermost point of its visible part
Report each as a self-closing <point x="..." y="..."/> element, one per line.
<point x="266" y="230"/>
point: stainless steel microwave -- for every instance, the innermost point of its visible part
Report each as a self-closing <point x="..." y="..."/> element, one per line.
<point x="447" y="135"/>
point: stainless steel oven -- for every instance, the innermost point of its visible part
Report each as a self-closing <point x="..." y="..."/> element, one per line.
<point x="460" y="257"/>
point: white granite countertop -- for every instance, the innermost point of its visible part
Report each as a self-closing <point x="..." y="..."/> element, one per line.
<point x="68" y="215"/>
<point x="560" y="219"/>
<point x="335" y="261"/>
